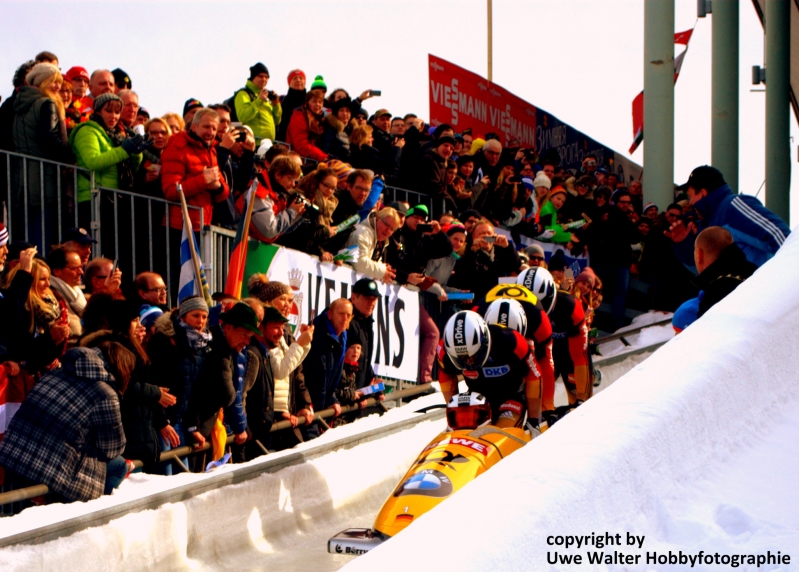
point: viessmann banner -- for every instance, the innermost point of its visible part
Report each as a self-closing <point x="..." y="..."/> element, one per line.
<point x="316" y="284"/>
<point x="464" y="99"/>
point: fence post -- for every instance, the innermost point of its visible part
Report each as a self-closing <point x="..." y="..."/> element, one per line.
<point x="95" y="222"/>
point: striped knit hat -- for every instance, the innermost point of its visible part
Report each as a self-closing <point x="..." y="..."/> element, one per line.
<point x="3" y="235"/>
<point x="149" y="314"/>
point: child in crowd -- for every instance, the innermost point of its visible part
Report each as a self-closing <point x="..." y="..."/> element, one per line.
<point x="346" y="392"/>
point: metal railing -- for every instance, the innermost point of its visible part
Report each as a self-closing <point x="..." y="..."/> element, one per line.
<point x="174" y="455"/>
<point x="218" y="244"/>
<point x="41" y="197"/>
<point x="134" y="229"/>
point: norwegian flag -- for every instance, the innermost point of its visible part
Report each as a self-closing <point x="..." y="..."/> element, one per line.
<point x="680" y="38"/>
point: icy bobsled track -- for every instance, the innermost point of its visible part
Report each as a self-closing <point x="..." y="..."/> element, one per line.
<point x="693" y="452"/>
<point x="279" y="520"/>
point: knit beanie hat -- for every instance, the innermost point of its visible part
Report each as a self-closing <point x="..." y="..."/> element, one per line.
<point x="295" y="73"/>
<point x="39" y="73"/>
<point x="556" y="190"/>
<point x="535" y="249"/>
<point x="3" y="235"/>
<point x="319" y="83"/>
<point x="104" y="98"/>
<point x="266" y="290"/>
<point x="541" y="180"/>
<point x="191" y="104"/>
<point x="122" y="79"/>
<point x="191" y="304"/>
<point x="558" y="261"/>
<point x="257" y="70"/>
<point x="149" y="314"/>
<point x="340" y="168"/>
<point x="445" y="139"/>
<point x="648" y="206"/>
<point x="586" y="275"/>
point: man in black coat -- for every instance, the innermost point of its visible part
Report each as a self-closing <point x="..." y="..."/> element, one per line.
<point x="411" y="248"/>
<point x="214" y="388"/>
<point x="721" y="264"/>
<point x="619" y="234"/>
<point x="365" y="297"/>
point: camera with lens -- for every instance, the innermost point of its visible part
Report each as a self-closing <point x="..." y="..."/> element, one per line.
<point x="309" y="206"/>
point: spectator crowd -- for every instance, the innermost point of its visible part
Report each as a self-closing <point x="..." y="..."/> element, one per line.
<point x="111" y="372"/>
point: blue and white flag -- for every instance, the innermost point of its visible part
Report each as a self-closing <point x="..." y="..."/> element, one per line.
<point x="187" y="285"/>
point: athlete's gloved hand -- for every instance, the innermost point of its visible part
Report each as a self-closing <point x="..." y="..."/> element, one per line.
<point x="531" y="425"/>
<point x="550" y="417"/>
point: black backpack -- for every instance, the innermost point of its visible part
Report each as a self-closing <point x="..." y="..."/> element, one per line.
<point x="231" y="103"/>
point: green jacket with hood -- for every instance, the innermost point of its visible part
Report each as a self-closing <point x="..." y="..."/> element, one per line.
<point x="259" y="115"/>
<point x="95" y="151"/>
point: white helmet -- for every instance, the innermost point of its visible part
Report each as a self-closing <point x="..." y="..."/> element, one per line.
<point x="509" y="313"/>
<point x="466" y="340"/>
<point x="540" y="282"/>
<point x="468" y="411"/>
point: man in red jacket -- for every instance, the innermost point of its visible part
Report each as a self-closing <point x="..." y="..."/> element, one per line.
<point x="190" y="159"/>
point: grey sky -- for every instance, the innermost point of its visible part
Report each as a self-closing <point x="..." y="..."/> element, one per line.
<point x="580" y="60"/>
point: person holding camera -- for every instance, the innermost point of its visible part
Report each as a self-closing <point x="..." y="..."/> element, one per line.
<point x="257" y="107"/>
<point x="276" y="210"/>
<point x="305" y="128"/>
<point x="314" y="228"/>
<point x="489" y="257"/>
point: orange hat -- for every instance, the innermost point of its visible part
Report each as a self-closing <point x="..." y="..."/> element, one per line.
<point x="557" y="190"/>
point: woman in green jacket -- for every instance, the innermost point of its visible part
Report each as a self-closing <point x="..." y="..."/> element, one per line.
<point x="104" y="146"/>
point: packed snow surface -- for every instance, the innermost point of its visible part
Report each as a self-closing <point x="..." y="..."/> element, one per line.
<point x="693" y="450"/>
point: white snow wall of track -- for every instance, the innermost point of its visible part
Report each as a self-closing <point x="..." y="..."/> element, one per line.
<point x="268" y="514"/>
<point x="616" y="463"/>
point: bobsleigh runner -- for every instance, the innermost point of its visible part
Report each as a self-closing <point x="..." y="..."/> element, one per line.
<point x="455" y="457"/>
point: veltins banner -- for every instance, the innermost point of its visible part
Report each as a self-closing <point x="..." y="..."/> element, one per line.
<point x="317" y="284"/>
<point x="464" y="99"/>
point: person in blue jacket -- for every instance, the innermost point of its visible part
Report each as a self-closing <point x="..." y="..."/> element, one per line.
<point x="325" y="361"/>
<point x="757" y="231"/>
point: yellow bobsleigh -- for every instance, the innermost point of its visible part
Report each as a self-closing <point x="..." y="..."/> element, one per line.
<point x="451" y="460"/>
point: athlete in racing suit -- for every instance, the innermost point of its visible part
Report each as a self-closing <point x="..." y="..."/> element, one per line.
<point x="539" y="335"/>
<point x="570" y="351"/>
<point x="508" y="380"/>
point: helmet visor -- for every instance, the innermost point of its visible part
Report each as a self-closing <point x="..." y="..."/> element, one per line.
<point x="468" y="417"/>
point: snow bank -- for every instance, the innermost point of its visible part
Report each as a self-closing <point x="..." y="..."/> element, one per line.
<point x="264" y="515"/>
<point x="694" y="449"/>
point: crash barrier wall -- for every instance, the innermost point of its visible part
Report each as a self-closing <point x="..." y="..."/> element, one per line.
<point x="221" y="518"/>
<point x="175" y="455"/>
<point x="629" y="456"/>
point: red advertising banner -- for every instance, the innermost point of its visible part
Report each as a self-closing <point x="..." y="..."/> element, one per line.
<point x="464" y="99"/>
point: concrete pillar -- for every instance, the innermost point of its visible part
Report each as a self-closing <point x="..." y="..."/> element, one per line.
<point x="659" y="102"/>
<point x="724" y="124"/>
<point x="778" y="151"/>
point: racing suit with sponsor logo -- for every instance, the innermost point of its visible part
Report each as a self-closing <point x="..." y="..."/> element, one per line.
<point x="508" y="380"/>
<point x="569" y="350"/>
<point x="539" y="329"/>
